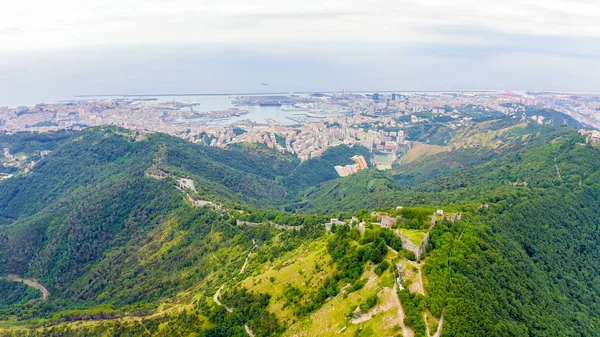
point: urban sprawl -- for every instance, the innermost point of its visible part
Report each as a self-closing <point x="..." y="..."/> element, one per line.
<point x="381" y="122"/>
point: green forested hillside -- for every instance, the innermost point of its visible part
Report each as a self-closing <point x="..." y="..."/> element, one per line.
<point x="15" y="293"/>
<point x="485" y="142"/>
<point x="525" y="267"/>
<point x="104" y="223"/>
<point x="368" y="189"/>
<point x="318" y="170"/>
<point x="93" y="226"/>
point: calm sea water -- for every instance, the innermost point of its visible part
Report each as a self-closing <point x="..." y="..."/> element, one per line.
<point x="256" y="113"/>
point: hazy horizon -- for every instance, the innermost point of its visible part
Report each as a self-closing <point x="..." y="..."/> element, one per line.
<point x="49" y="53"/>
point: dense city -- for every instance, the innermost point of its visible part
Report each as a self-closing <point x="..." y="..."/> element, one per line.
<point x="381" y="122"/>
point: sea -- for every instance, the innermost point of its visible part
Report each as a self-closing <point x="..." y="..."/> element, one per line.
<point x="256" y="113"/>
<point x="207" y="103"/>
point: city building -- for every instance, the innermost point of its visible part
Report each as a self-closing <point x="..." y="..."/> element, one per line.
<point x="344" y="171"/>
<point x="341" y="171"/>
<point x="361" y="162"/>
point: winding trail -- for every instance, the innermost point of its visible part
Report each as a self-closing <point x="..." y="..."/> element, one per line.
<point x="406" y="331"/>
<point x="248" y="257"/>
<point x="426" y="325"/>
<point x="557" y="170"/>
<point x="248" y="331"/>
<point x="139" y="320"/>
<point x="216" y="299"/>
<point x="417" y="287"/>
<point x="421" y="288"/>
<point x="218" y="293"/>
<point x="32" y="283"/>
<point x="385" y="306"/>
<point x="440" y="324"/>
<point x="393" y="302"/>
<point x="348" y="285"/>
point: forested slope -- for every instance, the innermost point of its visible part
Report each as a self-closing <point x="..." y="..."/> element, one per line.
<point x="525" y="261"/>
<point x="318" y="170"/>
<point x="100" y="220"/>
<point x="104" y="224"/>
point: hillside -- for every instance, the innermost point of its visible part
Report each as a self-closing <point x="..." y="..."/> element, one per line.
<point x="485" y="142"/>
<point x="135" y="235"/>
<point x="318" y="170"/>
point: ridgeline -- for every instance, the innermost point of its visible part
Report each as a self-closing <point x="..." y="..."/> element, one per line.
<point x="146" y="235"/>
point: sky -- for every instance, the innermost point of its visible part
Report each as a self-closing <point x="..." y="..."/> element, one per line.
<point x="53" y="50"/>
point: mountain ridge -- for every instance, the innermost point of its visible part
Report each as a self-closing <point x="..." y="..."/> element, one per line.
<point x="131" y="254"/>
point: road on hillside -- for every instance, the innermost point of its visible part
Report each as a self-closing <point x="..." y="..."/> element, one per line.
<point x="216" y="299"/>
<point x="32" y="283"/>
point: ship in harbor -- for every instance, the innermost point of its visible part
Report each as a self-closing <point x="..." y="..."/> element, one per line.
<point x="293" y="108"/>
<point x="270" y="103"/>
<point x="221" y="114"/>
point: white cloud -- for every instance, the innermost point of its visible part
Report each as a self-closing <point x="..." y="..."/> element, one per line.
<point x="40" y="24"/>
<point x="53" y="49"/>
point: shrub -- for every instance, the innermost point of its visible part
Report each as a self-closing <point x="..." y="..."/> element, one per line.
<point x="382" y="267"/>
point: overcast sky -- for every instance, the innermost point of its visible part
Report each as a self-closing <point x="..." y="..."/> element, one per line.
<point x="191" y="46"/>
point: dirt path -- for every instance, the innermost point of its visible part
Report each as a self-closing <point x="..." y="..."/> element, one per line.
<point x="393" y="302"/>
<point x="426" y="325"/>
<point x="248" y="331"/>
<point x="216" y="299"/>
<point x="248" y="257"/>
<point x="245" y="263"/>
<point x="440" y="324"/>
<point x="461" y="233"/>
<point x="139" y="320"/>
<point x="417" y="286"/>
<point x="343" y="290"/>
<point x="421" y="290"/>
<point x="385" y="306"/>
<point x="184" y="184"/>
<point x="202" y="203"/>
<point x="557" y="170"/>
<point x="406" y="331"/>
<point x="32" y="283"/>
<point x="187" y="183"/>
